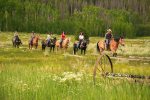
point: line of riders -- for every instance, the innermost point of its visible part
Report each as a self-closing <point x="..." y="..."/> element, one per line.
<point x="80" y="44"/>
<point x="49" y="39"/>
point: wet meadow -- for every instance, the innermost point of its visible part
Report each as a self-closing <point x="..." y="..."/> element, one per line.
<point x="43" y="75"/>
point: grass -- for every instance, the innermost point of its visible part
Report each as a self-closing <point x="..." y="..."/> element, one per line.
<point x="41" y="75"/>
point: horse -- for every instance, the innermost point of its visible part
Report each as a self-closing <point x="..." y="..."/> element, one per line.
<point x="43" y="44"/>
<point x="16" y="42"/>
<point x="34" y="42"/>
<point x="113" y="46"/>
<point x="65" y="43"/>
<point x="83" y="46"/>
<point x="51" y="44"/>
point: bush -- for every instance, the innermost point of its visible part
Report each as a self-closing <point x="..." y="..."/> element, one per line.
<point x="143" y="30"/>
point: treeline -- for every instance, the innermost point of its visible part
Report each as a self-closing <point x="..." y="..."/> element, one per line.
<point x="125" y="17"/>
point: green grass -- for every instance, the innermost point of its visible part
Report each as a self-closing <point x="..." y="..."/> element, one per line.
<point x="41" y="75"/>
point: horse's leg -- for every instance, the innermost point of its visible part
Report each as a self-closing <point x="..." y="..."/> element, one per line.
<point x="53" y="48"/>
<point x="74" y="50"/>
<point x="42" y="47"/>
<point x="115" y="54"/>
<point x="35" y="46"/>
<point x="84" y="51"/>
<point x="17" y="45"/>
<point x="101" y="50"/>
<point x="81" y="51"/>
<point x="29" y="45"/>
<point x="50" y="48"/>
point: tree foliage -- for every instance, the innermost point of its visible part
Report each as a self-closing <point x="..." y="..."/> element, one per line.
<point x="94" y="17"/>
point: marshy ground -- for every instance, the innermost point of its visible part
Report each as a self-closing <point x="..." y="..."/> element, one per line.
<point x="35" y="74"/>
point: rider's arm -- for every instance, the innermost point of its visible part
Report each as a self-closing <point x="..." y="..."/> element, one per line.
<point x="111" y="36"/>
<point x="105" y="35"/>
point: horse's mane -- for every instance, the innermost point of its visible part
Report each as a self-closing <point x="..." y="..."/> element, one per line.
<point x="117" y="38"/>
<point x="66" y="40"/>
<point x="53" y="40"/>
<point x="17" y="38"/>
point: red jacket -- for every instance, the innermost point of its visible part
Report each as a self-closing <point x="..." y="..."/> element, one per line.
<point x="63" y="36"/>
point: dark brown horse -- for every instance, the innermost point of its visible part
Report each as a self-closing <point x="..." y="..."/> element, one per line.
<point x="83" y="46"/>
<point x="43" y="44"/>
<point x="114" y="43"/>
<point x="34" y="42"/>
<point x="16" y="42"/>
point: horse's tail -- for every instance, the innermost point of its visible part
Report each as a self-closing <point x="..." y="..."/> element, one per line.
<point x="98" y="47"/>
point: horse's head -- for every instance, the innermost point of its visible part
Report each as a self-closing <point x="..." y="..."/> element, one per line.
<point x="53" y="40"/>
<point x="37" y="37"/>
<point x="43" y="41"/>
<point x="121" y="41"/>
<point x="67" y="40"/>
<point x="84" y="43"/>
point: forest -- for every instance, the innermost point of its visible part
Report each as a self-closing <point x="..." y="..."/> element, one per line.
<point x="130" y="18"/>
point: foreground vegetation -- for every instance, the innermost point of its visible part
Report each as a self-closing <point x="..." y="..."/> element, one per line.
<point x="35" y="74"/>
<point x="130" y="18"/>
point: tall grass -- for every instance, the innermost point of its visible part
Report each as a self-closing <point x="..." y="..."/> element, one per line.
<point x="30" y="75"/>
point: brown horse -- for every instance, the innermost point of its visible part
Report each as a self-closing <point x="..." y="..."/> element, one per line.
<point x="34" y="42"/>
<point x="65" y="43"/>
<point x="114" y="43"/>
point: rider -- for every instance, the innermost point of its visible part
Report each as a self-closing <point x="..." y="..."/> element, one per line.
<point x="32" y="37"/>
<point x="62" y="38"/>
<point x="16" y="36"/>
<point x="48" y="38"/>
<point x="108" y="37"/>
<point x="81" y="38"/>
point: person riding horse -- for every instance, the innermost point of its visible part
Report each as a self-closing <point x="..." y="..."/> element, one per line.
<point x="32" y="37"/>
<point x="81" y="38"/>
<point x="16" y="40"/>
<point x="108" y="37"/>
<point x="82" y="47"/>
<point x="48" y="39"/>
<point x="33" y="41"/>
<point x="62" y="39"/>
<point x="16" y="37"/>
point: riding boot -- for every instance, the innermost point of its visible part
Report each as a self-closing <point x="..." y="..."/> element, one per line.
<point x="107" y="46"/>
